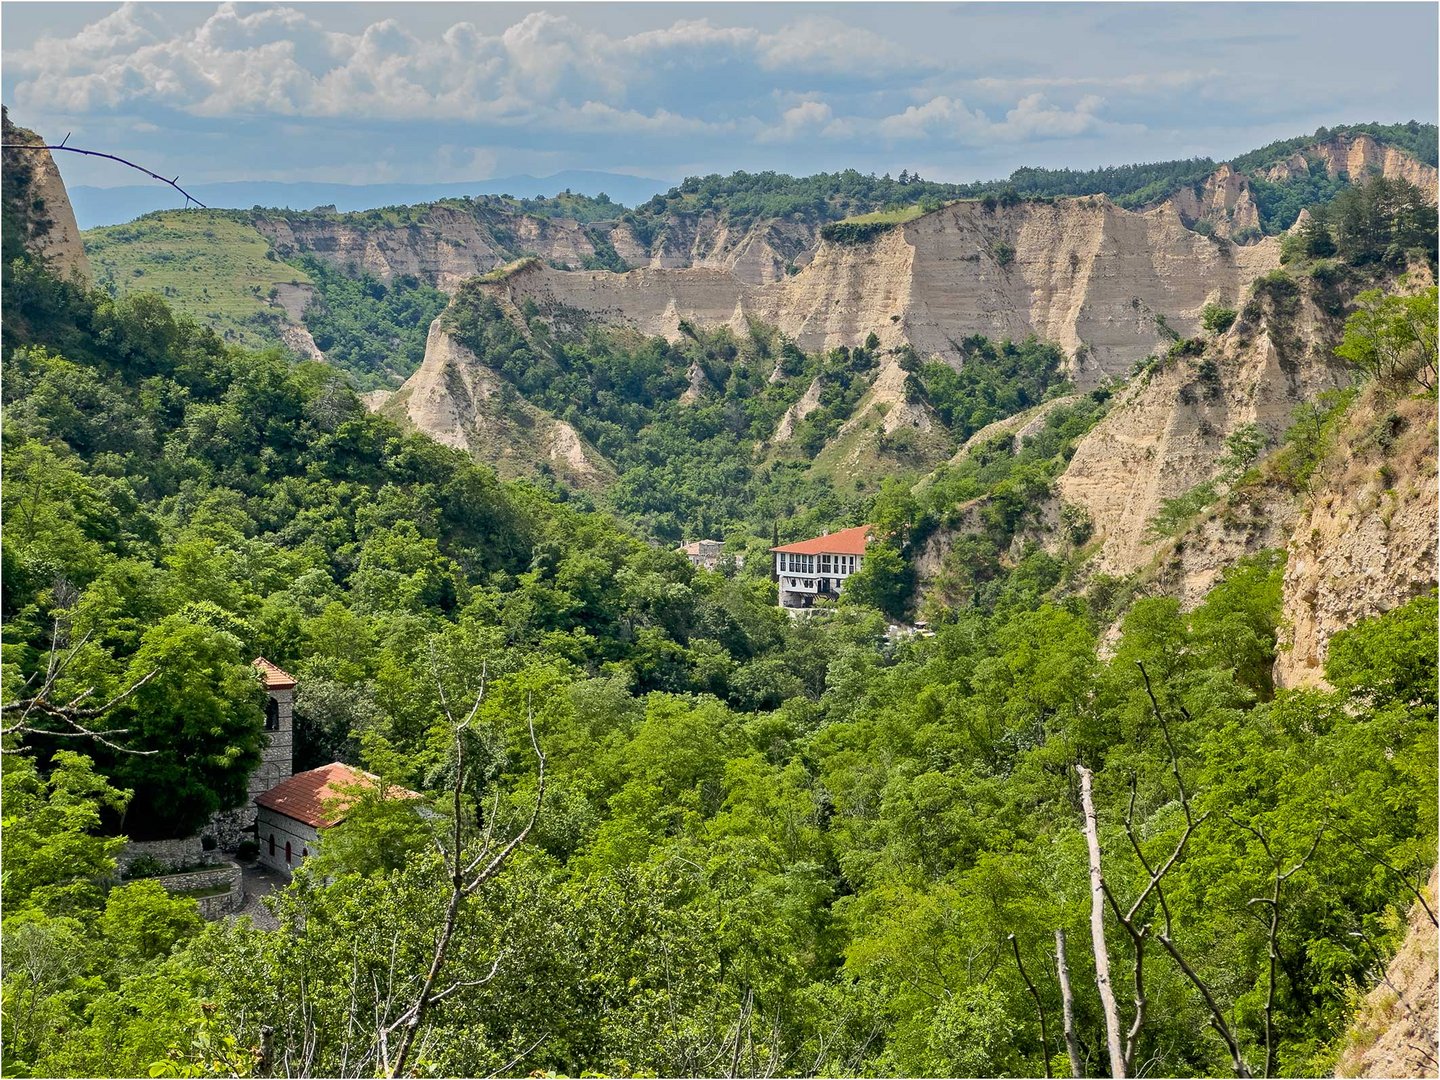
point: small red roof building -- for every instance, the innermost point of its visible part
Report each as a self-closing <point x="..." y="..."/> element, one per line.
<point x="321" y="797"/>
<point x="275" y="679"/>
<point x="842" y="542"/>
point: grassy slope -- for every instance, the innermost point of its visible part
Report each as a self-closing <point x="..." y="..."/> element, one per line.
<point x="207" y="263"/>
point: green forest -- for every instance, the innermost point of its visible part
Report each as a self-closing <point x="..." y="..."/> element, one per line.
<point x="665" y="829"/>
<point x="684" y="462"/>
<point x="748" y="197"/>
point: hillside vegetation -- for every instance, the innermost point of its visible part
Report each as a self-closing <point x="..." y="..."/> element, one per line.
<point x="747" y="197"/>
<point x="208" y="262"/>
<point x="691" y="426"/>
<point x="664" y="829"/>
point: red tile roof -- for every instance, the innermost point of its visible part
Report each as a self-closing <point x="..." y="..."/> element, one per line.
<point x="275" y="679"/>
<point x="316" y="798"/>
<point x="844" y="542"/>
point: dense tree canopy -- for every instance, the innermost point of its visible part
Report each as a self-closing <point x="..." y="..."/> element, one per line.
<point x="765" y="846"/>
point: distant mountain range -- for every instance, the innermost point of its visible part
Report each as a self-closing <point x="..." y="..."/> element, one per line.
<point x="96" y="206"/>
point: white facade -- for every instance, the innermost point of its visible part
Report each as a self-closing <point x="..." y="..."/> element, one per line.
<point x="803" y="578"/>
<point x="284" y="842"/>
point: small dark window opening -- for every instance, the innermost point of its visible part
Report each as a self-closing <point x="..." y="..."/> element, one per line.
<point x="272" y="845"/>
<point x="287" y="851"/>
<point x="272" y="714"/>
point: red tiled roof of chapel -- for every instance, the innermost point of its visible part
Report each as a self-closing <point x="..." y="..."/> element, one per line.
<point x="843" y="542"/>
<point x="316" y="797"/>
<point x="275" y="679"/>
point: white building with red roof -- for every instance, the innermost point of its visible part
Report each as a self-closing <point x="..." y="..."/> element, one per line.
<point x="815" y="569"/>
<point x="293" y="813"/>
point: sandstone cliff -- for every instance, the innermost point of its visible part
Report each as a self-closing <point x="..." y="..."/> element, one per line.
<point x="1167" y="432"/>
<point x="1355" y="157"/>
<point x="37" y="205"/>
<point x="293" y="299"/>
<point x="1223" y="204"/>
<point x="1394" y="1033"/>
<point x="445" y="247"/>
<point x="754" y="254"/>
<point x="458" y="401"/>
<point x="445" y="243"/>
<point x="1365" y="540"/>
<point x="1084" y="273"/>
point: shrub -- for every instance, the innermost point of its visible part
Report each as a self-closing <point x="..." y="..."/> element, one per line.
<point x="247" y="850"/>
<point x="1217" y="319"/>
<point x="1186" y="347"/>
<point x="853" y="233"/>
<point x="1176" y="514"/>
<point x="146" y="866"/>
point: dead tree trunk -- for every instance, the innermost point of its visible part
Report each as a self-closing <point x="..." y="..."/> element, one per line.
<point x="1097" y="930"/>
<point x="1067" y="1006"/>
<point x="1039" y="1008"/>
<point x="466" y="877"/>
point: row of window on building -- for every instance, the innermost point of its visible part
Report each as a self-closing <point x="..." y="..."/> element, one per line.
<point x="790" y="563"/>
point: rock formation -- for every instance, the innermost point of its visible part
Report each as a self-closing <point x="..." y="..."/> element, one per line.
<point x="458" y="401"/>
<point x="1355" y="157"/>
<point x="1394" y="1033"/>
<point x="1167" y="432"/>
<point x="37" y="205"/>
<point x="1365" y="540"/>
<point x="1101" y="281"/>
<point x="445" y="243"/>
<point x="1223" y="204"/>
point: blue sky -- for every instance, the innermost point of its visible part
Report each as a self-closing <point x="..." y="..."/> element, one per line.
<point x="376" y="92"/>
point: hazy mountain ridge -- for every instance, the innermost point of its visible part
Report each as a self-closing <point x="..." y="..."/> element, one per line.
<point x="98" y="206"/>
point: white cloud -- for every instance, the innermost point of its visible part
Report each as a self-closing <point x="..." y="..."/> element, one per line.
<point x="543" y="69"/>
<point x="940" y="116"/>
<point x="829" y="45"/>
<point x="1033" y="117"/>
<point x="807" y="118"/>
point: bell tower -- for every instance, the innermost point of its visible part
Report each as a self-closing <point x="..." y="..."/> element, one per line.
<point x="277" y="760"/>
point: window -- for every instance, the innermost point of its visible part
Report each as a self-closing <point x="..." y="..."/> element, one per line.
<point x="824" y="564"/>
<point x="272" y="845"/>
<point x="305" y="853"/>
<point x="287" y="851"/>
<point x="272" y="714"/>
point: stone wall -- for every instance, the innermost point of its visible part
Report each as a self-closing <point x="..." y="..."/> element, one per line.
<point x="211" y="907"/>
<point x="171" y="854"/>
<point x="232" y="827"/>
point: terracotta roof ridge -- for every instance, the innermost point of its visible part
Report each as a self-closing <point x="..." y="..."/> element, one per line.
<point x="275" y="676"/>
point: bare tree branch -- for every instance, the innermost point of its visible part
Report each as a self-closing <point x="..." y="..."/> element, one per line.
<point x="73" y="715"/>
<point x="1067" y="1006"/>
<point x="1217" y="1017"/>
<point x="109" y="157"/>
<point x="1097" y="929"/>
<point x="465" y="879"/>
<point x="1039" y="1009"/>
<point x="1273" y="925"/>
<point x="1419" y="896"/>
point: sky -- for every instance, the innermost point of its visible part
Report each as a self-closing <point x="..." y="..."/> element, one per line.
<point x="442" y="92"/>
